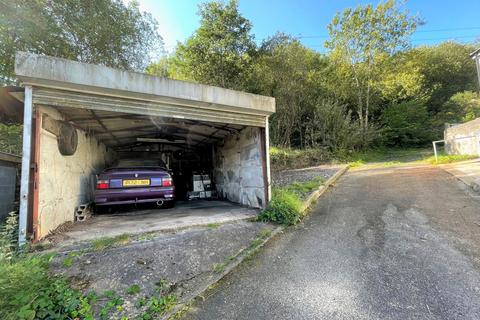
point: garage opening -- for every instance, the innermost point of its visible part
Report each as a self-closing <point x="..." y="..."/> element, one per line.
<point x="211" y="141"/>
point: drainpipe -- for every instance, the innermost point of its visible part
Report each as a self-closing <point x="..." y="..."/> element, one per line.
<point x="25" y="179"/>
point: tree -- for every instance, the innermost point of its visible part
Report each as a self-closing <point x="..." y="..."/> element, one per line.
<point x="406" y="124"/>
<point x="221" y="49"/>
<point x="461" y="107"/>
<point x="104" y="32"/>
<point x="359" y="39"/>
<point x="447" y="69"/>
<point x="292" y="73"/>
<point x="331" y="126"/>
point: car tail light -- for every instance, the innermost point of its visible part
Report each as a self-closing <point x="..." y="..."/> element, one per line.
<point x="167" y="182"/>
<point x="102" y="184"/>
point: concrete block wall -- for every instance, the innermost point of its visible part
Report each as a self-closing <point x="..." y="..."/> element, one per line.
<point x="463" y="138"/>
<point x="66" y="181"/>
<point x="238" y="170"/>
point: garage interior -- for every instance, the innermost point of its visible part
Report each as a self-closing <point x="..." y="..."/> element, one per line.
<point x="213" y="141"/>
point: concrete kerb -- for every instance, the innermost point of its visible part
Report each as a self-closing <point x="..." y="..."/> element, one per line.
<point x="317" y="193"/>
<point x="474" y="184"/>
<point x="245" y="253"/>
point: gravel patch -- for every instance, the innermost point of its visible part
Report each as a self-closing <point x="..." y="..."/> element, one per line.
<point x="284" y="178"/>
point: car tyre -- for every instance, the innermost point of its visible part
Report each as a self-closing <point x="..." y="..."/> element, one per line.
<point x="67" y="139"/>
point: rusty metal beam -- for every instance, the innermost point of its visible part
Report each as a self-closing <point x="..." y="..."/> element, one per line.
<point x="101" y="123"/>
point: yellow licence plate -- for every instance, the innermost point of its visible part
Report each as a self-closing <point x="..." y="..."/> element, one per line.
<point x="132" y="183"/>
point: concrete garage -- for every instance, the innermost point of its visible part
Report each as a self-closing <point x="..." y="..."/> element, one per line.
<point x="197" y="130"/>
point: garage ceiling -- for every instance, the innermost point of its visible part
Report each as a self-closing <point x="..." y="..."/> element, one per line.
<point x="116" y="129"/>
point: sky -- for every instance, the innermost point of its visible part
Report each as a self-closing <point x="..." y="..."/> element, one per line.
<point x="444" y="19"/>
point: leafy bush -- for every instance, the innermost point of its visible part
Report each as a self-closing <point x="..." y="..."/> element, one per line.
<point x="284" y="207"/>
<point x="331" y="126"/>
<point x="406" y="124"/>
<point x="11" y="138"/>
<point x="28" y="291"/>
<point x="461" y="107"/>
<point x="9" y="237"/>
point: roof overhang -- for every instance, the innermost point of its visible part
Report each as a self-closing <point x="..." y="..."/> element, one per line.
<point x="61" y="82"/>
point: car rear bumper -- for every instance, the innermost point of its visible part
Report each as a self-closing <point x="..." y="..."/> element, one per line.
<point x="133" y="195"/>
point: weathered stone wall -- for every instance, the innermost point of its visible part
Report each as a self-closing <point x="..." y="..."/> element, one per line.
<point x="238" y="170"/>
<point x="463" y="138"/>
<point x="66" y="181"/>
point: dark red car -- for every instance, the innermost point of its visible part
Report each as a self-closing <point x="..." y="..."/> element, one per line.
<point x="135" y="181"/>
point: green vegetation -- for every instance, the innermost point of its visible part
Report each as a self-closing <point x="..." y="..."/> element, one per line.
<point x="108" y="242"/>
<point x="108" y="32"/>
<point x="284" y="208"/>
<point x="11" y="138"/>
<point x="30" y="292"/>
<point x="252" y="247"/>
<point x="286" y="203"/>
<point x="371" y="89"/>
<point x="287" y="158"/>
<point x="303" y="189"/>
<point x="385" y="155"/>
<point x="68" y="262"/>
<point x="299" y="158"/>
<point x="213" y="225"/>
<point x="445" y="158"/>
<point x="133" y="289"/>
<point x="220" y="267"/>
<point x="147" y="236"/>
<point x="158" y="304"/>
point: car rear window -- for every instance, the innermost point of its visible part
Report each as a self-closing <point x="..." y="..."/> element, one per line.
<point x="129" y="163"/>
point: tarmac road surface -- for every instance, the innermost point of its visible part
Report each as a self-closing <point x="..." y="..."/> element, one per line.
<point x="387" y="243"/>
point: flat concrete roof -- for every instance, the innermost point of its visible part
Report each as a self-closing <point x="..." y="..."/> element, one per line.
<point x="63" y="74"/>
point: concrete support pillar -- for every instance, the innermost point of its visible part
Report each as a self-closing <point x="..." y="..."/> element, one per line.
<point x="267" y="149"/>
<point x="26" y="153"/>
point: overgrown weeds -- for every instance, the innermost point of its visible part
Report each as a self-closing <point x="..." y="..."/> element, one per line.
<point x="9" y="237"/>
<point x="29" y="291"/>
<point x="108" y="242"/>
<point x="303" y="189"/>
<point x="284" y="207"/>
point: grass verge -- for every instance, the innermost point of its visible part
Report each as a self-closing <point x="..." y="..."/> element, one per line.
<point x="449" y="158"/>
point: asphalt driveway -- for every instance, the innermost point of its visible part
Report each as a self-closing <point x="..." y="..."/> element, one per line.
<point x="388" y="243"/>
